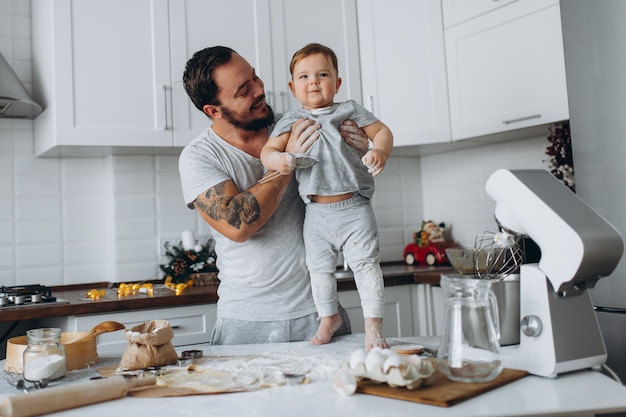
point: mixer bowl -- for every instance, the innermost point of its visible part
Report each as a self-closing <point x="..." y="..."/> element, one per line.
<point x="472" y="261"/>
<point x="462" y="260"/>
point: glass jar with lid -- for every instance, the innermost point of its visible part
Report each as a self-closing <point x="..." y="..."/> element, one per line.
<point x="44" y="357"/>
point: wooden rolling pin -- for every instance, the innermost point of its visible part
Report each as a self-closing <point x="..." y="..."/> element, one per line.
<point x="65" y="397"/>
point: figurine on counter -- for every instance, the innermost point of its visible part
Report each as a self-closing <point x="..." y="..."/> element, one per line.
<point x="429" y="245"/>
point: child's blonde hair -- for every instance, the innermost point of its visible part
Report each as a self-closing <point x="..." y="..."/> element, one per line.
<point x="312" y="49"/>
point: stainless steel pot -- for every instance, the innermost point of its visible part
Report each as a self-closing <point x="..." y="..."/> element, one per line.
<point x="507" y="292"/>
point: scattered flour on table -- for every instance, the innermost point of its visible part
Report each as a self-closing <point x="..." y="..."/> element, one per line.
<point x="270" y="371"/>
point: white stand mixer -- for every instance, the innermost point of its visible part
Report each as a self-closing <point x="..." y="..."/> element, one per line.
<point x="559" y="331"/>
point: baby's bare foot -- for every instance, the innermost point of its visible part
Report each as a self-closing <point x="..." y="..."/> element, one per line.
<point x="328" y="326"/>
<point x="374" y="334"/>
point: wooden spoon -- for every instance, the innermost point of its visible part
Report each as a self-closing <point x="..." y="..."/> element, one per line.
<point x="104" y="327"/>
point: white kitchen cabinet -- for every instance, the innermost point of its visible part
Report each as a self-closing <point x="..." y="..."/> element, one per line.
<point x="109" y="74"/>
<point x="398" y="320"/>
<point x="428" y="307"/>
<point x="266" y="33"/>
<point x="457" y="11"/>
<point x="506" y="69"/>
<point x="101" y="71"/>
<point x="191" y="324"/>
<point x="403" y="68"/>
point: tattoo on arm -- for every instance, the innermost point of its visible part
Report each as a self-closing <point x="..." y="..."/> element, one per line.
<point x="243" y="208"/>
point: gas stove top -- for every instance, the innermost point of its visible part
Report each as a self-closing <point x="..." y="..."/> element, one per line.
<point x="26" y="295"/>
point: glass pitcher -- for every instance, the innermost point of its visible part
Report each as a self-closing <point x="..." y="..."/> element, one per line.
<point x="469" y="350"/>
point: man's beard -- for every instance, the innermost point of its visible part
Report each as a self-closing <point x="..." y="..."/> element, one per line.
<point x="252" y="125"/>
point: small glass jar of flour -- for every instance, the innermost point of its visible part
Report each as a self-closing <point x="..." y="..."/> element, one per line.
<point x="44" y="357"/>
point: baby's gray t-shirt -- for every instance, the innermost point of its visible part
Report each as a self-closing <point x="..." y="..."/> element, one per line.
<point x="339" y="170"/>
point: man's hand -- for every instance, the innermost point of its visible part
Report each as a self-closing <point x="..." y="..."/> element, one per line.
<point x="354" y="136"/>
<point x="304" y="132"/>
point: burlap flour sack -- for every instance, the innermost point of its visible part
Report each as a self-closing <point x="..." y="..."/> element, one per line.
<point x="149" y="344"/>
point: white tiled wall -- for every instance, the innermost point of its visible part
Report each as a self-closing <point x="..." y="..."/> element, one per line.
<point x="81" y="220"/>
<point x="454" y="183"/>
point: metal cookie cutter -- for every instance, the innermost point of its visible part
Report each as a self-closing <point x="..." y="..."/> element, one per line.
<point x="294" y="379"/>
<point x="193" y="354"/>
<point x="188" y="356"/>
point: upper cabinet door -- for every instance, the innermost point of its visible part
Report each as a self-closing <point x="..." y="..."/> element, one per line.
<point x="506" y="69"/>
<point x="101" y="70"/>
<point x="266" y="33"/>
<point x="403" y="68"/>
<point x="457" y="11"/>
<point x="242" y="25"/>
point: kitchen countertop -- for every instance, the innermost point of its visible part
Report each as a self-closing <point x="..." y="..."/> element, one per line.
<point x="577" y="393"/>
<point x="77" y="304"/>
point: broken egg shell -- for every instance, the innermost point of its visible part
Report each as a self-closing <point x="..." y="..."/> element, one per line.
<point x="344" y="383"/>
<point x="395" y="378"/>
<point x="429" y="371"/>
<point x="359" y="370"/>
<point x="415" y="384"/>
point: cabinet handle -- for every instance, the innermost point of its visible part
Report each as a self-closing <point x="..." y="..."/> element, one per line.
<point x="521" y="119"/>
<point x="175" y="326"/>
<point x="282" y="100"/>
<point x="164" y="87"/>
<point x="371" y="104"/>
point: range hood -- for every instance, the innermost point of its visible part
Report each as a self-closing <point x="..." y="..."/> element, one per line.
<point x="15" y="102"/>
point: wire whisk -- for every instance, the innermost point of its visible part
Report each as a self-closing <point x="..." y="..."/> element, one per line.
<point x="497" y="255"/>
<point x="15" y="378"/>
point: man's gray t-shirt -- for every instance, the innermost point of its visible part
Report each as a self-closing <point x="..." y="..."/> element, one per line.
<point x="264" y="278"/>
<point x="339" y="170"/>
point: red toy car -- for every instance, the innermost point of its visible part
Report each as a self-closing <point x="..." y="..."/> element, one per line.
<point x="429" y="245"/>
<point x="431" y="254"/>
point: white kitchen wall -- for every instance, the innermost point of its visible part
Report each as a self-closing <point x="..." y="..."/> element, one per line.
<point x="81" y="220"/>
<point x="453" y="183"/>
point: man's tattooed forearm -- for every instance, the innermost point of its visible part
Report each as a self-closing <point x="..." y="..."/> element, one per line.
<point x="243" y="208"/>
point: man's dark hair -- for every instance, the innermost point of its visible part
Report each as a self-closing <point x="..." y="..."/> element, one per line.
<point x="198" y="75"/>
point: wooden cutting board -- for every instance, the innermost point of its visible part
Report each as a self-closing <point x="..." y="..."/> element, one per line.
<point x="443" y="392"/>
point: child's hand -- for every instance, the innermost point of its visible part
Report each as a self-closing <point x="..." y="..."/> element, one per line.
<point x="375" y="161"/>
<point x="283" y="162"/>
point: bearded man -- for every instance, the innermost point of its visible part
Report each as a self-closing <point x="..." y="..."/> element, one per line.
<point x="264" y="292"/>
